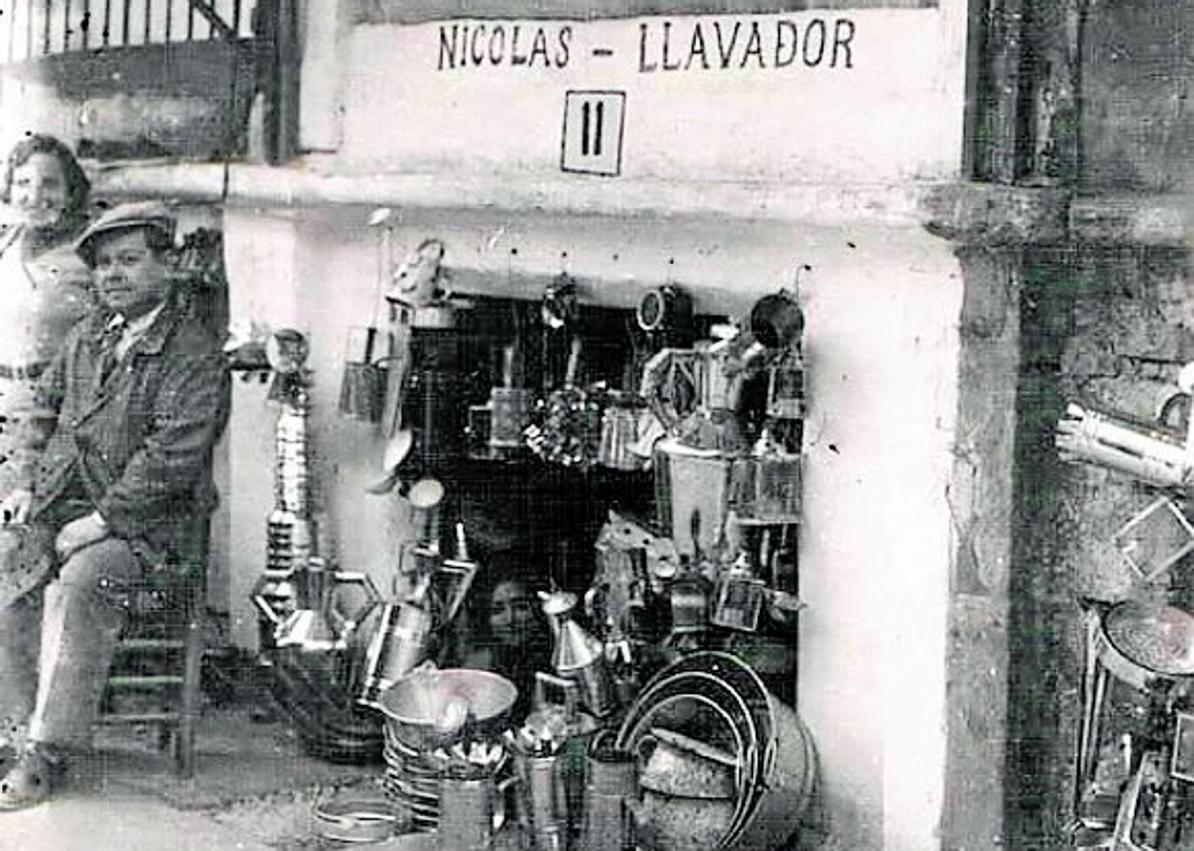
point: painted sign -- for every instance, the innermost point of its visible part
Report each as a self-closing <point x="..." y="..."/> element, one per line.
<point x="591" y="141"/>
<point x="819" y="95"/>
<point x="681" y="44"/>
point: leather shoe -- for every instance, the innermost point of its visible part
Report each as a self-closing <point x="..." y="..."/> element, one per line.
<point x="29" y="781"/>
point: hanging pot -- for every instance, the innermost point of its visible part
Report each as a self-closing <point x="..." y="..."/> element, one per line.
<point x="776" y="320"/>
<point x="363" y="381"/>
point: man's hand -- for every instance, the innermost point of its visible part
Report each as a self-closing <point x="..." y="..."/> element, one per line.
<point x="80" y="533"/>
<point x="15" y="507"/>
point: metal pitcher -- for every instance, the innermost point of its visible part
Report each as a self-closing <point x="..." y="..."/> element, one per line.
<point x="577" y="655"/>
<point x="543" y="800"/>
<point x="610" y="778"/>
<point x="619" y="435"/>
<point x="765" y="485"/>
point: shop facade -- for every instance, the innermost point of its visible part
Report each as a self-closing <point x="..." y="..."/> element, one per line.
<point x="756" y="152"/>
<point x="731" y="150"/>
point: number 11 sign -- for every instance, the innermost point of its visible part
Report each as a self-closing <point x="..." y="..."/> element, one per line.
<point x="593" y="124"/>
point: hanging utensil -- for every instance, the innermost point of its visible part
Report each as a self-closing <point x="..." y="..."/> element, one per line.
<point x="363" y="381"/>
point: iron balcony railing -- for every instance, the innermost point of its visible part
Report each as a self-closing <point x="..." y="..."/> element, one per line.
<point x="30" y="29"/>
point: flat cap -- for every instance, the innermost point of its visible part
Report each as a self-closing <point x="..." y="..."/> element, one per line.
<point x="139" y="214"/>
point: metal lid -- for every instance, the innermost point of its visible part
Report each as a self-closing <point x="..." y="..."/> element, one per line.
<point x="1154" y="636"/>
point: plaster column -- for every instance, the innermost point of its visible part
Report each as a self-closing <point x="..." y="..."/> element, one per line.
<point x="980" y="497"/>
<point x="260" y="252"/>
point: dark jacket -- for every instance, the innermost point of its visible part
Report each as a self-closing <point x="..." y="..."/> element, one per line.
<point x="140" y="443"/>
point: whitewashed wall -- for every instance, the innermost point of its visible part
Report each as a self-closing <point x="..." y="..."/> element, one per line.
<point x="875" y="97"/>
<point x="882" y="308"/>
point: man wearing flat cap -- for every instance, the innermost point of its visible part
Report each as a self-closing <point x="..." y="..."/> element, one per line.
<point x="133" y="403"/>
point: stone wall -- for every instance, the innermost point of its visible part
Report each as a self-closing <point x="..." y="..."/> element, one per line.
<point x="1110" y="328"/>
<point x="1137" y="68"/>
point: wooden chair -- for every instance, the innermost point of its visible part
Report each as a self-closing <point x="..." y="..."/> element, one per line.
<point x="161" y="656"/>
<point x="161" y="652"/>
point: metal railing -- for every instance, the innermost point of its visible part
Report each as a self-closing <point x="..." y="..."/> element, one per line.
<point x="30" y="29"/>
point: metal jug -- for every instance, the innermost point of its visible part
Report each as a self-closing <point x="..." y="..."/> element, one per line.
<point x="619" y="435"/>
<point x="399" y="643"/>
<point x="577" y="655"/>
<point x="765" y="485"/>
<point x="610" y="779"/>
<point x="496" y="428"/>
<point x="543" y="800"/>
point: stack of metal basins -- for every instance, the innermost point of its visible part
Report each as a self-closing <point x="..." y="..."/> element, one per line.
<point x="777" y="762"/>
<point x="410" y="782"/>
<point x="415" y="710"/>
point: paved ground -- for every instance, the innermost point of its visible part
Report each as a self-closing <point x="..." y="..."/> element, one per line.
<point x="253" y="790"/>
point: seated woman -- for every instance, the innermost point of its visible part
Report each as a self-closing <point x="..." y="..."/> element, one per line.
<point x="505" y="631"/>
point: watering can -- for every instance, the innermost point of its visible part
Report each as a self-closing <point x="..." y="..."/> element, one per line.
<point x="577" y="655"/>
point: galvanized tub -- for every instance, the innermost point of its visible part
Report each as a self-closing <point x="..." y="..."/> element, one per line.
<point x="775" y="750"/>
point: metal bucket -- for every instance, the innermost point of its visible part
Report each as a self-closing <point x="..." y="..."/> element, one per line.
<point x="691" y="483"/>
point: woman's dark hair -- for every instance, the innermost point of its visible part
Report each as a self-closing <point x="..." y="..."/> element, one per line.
<point x="499" y="569"/>
<point x="78" y="187"/>
<point x="471" y="630"/>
